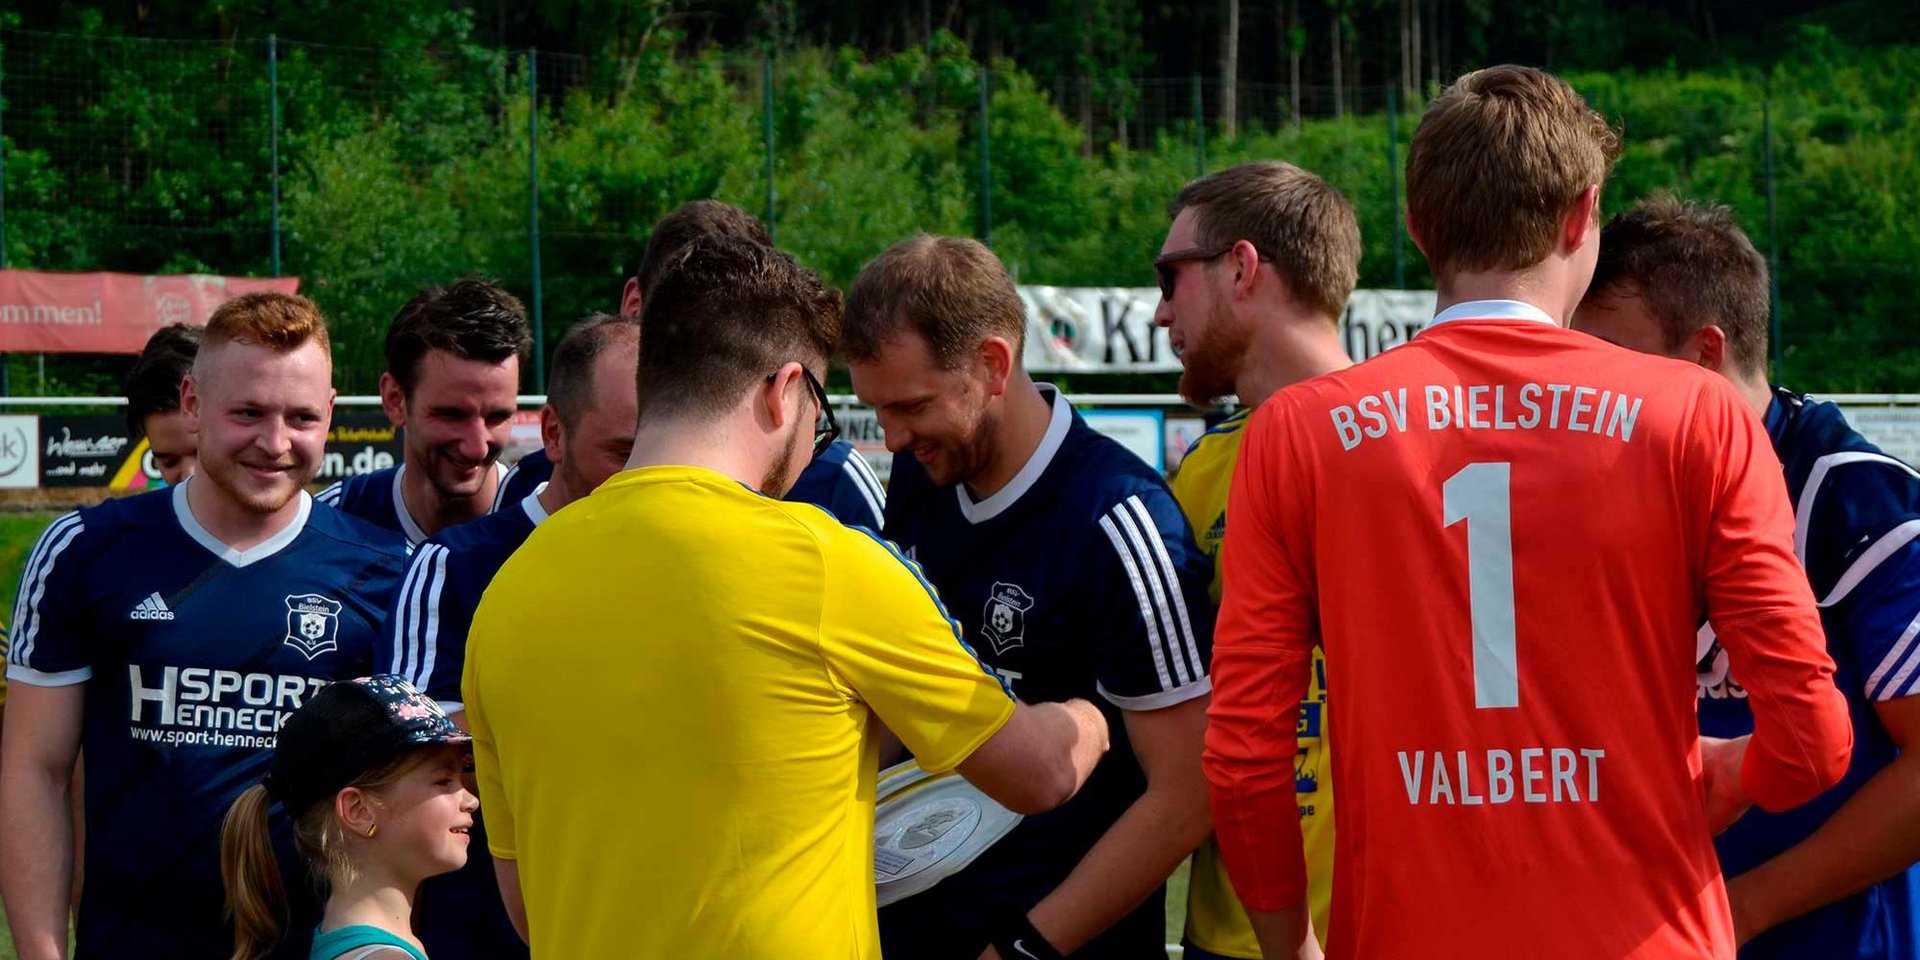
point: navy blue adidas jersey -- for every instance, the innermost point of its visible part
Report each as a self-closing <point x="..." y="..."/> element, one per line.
<point x="459" y="916"/>
<point x="529" y="472"/>
<point x="375" y="497"/>
<point x="1079" y="579"/>
<point x="839" y="480"/>
<point x="193" y="655"/>
<point x="1857" y="520"/>
<point x="434" y="609"/>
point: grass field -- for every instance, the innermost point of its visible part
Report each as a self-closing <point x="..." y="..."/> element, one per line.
<point x="17" y="533"/>
<point x="19" y="530"/>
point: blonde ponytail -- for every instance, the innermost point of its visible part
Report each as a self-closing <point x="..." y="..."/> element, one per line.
<point x="256" y="896"/>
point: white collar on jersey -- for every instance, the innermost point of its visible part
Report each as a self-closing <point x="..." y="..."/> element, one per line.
<point x="531" y="504"/>
<point x="239" y="558"/>
<point x="411" y="527"/>
<point x="1493" y="310"/>
<point x="984" y="510"/>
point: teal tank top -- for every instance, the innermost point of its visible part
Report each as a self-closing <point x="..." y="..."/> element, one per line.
<point x="342" y="942"/>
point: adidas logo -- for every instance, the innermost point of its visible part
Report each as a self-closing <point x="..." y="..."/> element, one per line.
<point x="152" y="608"/>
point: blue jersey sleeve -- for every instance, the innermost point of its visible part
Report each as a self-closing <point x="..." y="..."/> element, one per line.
<point x="525" y="476"/>
<point x="49" y="640"/>
<point x="1861" y="543"/>
<point x="841" y="482"/>
<point x="1882" y="621"/>
<point x="431" y="616"/>
<point x="1156" y="649"/>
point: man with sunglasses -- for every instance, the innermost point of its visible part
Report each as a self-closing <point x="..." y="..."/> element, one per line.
<point x="839" y="479"/>
<point x="1073" y="574"/>
<point x="674" y="685"/>
<point x="1256" y="268"/>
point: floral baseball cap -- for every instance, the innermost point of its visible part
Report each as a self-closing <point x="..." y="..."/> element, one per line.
<point x="348" y="729"/>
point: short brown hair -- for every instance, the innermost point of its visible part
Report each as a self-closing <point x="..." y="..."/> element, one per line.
<point x="153" y="385"/>
<point x="1693" y="267"/>
<point x="1292" y="217"/>
<point x="570" y="373"/>
<point x="1499" y="157"/>
<point x="689" y="222"/>
<point x="473" y="319"/>
<point x="952" y="291"/>
<point x="278" y="321"/>
<point x="728" y="313"/>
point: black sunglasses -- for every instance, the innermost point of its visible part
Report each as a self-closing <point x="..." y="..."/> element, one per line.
<point x="1164" y="263"/>
<point x="825" y="428"/>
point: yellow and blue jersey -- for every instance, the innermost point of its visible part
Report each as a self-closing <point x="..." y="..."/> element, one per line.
<point x="673" y="688"/>
<point x="1216" y="922"/>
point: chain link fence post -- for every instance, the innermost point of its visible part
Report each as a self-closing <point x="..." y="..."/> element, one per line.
<point x="1773" y="239"/>
<point x="533" y="216"/>
<point x="1199" y="131"/>
<point x="986" y="162"/>
<point x="1393" y="178"/>
<point x="766" y="112"/>
<point x="273" y="139"/>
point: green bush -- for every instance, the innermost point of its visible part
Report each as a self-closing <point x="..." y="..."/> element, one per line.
<point x="405" y="170"/>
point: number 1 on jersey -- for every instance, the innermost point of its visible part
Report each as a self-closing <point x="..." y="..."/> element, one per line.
<point x="1480" y="495"/>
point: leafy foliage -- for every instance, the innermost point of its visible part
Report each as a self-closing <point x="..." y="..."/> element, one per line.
<point x="410" y="164"/>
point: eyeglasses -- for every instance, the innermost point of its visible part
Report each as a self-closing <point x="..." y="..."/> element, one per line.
<point x="1164" y="263"/>
<point x="825" y="428"/>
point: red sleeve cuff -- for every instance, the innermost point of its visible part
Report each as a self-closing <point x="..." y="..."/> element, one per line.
<point x="1252" y="738"/>
<point x="1261" y="846"/>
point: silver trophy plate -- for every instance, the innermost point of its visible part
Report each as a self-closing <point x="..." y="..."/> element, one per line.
<point x="927" y="828"/>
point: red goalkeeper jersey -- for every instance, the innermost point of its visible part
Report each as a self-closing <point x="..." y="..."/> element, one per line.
<point x="1505" y="534"/>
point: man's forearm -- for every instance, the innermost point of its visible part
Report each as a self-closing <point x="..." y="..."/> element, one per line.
<point x="36" y="865"/>
<point x="506" y="873"/>
<point x="1285" y="934"/>
<point x="1091" y="738"/>
<point x="1138" y="853"/>
<point x="1873" y="836"/>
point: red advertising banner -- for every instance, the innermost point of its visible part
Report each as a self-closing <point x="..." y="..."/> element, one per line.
<point x="44" y="312"/>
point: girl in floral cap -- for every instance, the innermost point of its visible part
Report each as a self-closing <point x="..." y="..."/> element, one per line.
<point x="371" y="774"/>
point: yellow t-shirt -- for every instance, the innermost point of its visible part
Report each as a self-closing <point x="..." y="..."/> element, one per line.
<point x="1215" y="920"/>
<point x="671" y="686"/>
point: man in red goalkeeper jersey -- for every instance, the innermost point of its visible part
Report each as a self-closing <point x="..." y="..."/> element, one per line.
<point x="1504" y="535"/>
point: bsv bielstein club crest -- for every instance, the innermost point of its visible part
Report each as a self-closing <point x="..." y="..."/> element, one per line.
<point x="313" y="624"/>
<point x="1005" y="620"/>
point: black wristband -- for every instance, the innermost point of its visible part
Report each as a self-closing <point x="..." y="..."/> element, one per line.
<point x="1018" y="940"/>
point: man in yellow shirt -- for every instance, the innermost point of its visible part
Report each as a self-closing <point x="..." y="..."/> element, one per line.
<point x="674" y="686"/>
<point x="1254" y="274"/>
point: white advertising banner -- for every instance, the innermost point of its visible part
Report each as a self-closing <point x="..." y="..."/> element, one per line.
<point x="1893" y="429"/>
<point x="19" y="450"/>
<point x="1140" y="429"/>
<point x="1111" y="329"/>
<point x="860" y="426"/>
